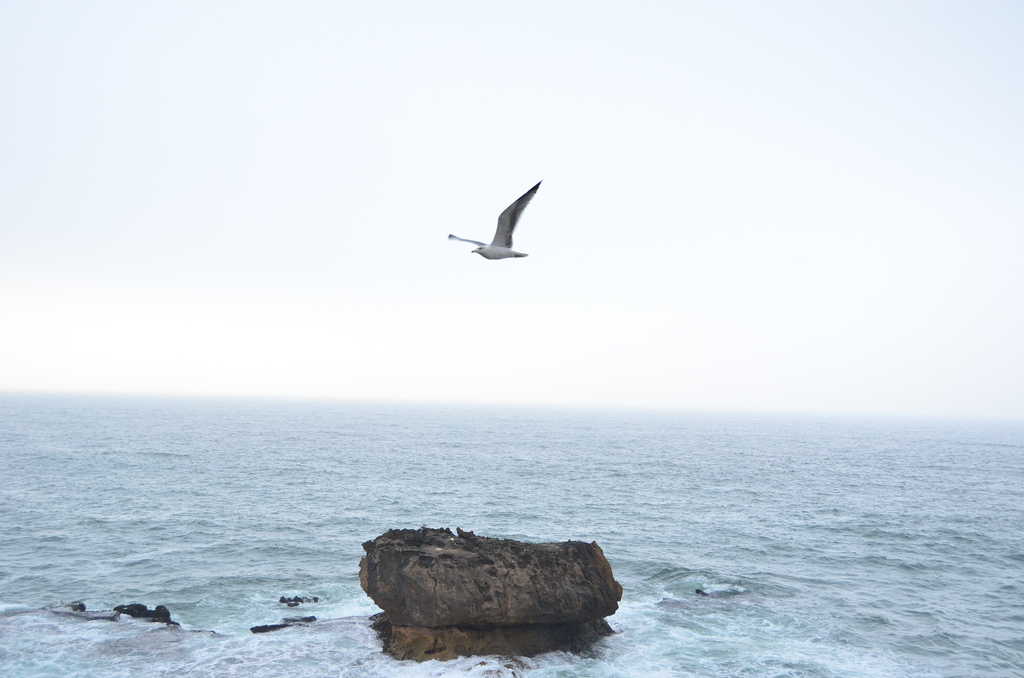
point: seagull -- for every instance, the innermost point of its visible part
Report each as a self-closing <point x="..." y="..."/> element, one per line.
<point x="501" y="246"/>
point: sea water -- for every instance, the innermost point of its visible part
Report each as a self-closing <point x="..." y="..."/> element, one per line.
<point x="830" y="547"/>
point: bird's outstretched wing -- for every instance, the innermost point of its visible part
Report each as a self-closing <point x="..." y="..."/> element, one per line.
<point x="508" y="219"/>
<point x="475" y="242"/>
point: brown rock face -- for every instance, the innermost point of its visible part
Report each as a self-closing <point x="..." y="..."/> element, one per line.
<point x="449" y="642"/>
<point x="446" y="595"/>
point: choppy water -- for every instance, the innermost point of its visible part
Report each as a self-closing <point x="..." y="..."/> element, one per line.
<point x="832" y="547"/>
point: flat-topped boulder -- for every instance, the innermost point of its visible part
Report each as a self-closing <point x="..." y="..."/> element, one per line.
<point x="446" y="594"/>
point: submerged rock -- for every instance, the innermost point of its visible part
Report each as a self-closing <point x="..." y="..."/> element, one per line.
<point x="140" y="611"/>
<point x="267" y="628"/>
<point x="447" y="595"/>
<point x="77" y="610"/>
<point x="285" y="623"/>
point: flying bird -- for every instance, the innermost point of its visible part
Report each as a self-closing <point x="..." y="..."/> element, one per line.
<point x="501" y="246"/>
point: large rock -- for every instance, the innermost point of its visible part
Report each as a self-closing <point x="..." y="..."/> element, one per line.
<point x="446" y="595"/>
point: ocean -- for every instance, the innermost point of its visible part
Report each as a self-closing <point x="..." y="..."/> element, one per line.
<point x="830" y="546"/>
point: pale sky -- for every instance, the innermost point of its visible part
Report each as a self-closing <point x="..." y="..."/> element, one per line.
<point x="797" y="207"/>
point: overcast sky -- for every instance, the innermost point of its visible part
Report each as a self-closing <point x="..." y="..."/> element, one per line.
<point x="800" y="207"/>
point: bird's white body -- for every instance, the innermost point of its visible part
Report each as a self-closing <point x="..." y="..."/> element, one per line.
<point x="501" y="246"/>
<point x="492" y="252"/>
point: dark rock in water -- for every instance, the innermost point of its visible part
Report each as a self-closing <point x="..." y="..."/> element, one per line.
<point x="135" y="610"/>
<point x="447" y="595"/>
<point x="297" y="600"/>
<point x="266" y="628"/>
<point x="382" y="625"/>
<point x="78" y="611"/>
<point x="701" y="592"/>
<point x="139" y="611"/>
<point x="100" y="615"/>
<point x="285" y="623"/>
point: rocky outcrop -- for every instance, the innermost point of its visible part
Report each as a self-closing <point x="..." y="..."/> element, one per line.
<point x="446" y="595"/>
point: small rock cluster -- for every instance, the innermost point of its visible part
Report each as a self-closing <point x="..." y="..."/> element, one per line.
<point x="161" y="614"/>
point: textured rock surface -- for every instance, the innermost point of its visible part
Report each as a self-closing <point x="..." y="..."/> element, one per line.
<point x="449" y="642"/>
<point x="433" y="578"/>
<point x="446" y="595"/>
